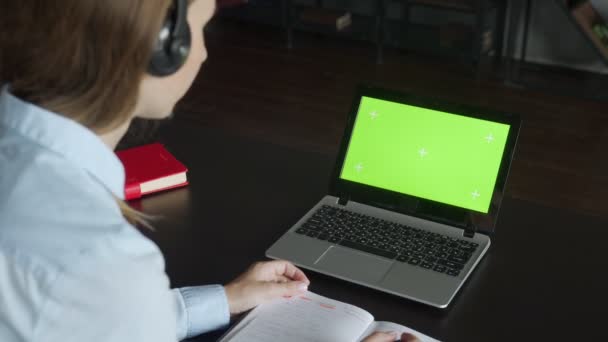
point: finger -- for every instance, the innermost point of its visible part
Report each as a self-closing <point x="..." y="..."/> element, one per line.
<point x="379" y="336"/>
<point x="283" y="279"/>
<point x="288" y="269"/>
<point x="299" y="275"/>
<point x="407" y="337"/>
<point x="272" y="290"/>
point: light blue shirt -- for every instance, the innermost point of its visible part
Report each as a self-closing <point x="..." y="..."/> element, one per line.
<point x="71" y="267"/>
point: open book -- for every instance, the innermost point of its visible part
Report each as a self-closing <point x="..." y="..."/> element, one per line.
<point x="310" y="318"/>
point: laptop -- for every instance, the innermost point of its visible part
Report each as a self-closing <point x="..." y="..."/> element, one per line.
<point x="413" y="199"/>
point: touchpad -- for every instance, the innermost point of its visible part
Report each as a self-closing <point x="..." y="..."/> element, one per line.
<point x="353" y="265"/>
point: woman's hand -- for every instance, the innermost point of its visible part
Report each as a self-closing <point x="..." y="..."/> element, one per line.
<point x="390" y="337"/>
<point x="262" y="282"/>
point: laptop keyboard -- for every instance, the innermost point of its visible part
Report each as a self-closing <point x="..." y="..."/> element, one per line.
<point x="391" y="240"/>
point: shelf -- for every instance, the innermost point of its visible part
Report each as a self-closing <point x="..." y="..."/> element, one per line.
<point x="469" y="6"/>
<point x="362" y="27"/>
<point x="459" y="5"/>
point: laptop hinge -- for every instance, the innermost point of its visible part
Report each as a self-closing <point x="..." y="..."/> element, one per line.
<point x="343" y="200"/>
<point x="470" y="230"/>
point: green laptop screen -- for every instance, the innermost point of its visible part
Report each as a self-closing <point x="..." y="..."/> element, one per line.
<point x="434" y="155"/>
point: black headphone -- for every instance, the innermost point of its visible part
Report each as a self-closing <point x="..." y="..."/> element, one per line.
<point x="173" y="45"/>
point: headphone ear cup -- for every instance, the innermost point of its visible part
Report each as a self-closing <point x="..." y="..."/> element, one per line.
<point x="180" y="49"/>
<point x="174" y="40"/>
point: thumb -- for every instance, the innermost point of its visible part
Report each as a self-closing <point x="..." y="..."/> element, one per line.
<point x="381" y="337"/>
<point x="407" y="337"/>
<point x="275" y="290"/>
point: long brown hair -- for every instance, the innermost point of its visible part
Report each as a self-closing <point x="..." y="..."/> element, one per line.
<point x="84" y="59"/>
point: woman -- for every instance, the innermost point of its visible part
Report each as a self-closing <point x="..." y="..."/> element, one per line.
<point x="74" y="74"/>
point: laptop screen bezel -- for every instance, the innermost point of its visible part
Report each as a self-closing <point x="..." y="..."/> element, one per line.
<point x="416" y="206"/>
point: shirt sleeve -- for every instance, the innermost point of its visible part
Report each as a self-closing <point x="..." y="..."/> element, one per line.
<point x="109" y="298"/>
<point x="200" y="309"/>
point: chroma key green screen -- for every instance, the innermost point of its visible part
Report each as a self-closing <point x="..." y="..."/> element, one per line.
<point x="439" y="156"/>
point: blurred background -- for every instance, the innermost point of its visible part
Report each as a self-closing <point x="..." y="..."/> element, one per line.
<point x="285" y="72"/>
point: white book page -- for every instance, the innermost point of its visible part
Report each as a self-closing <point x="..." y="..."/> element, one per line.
<point x="388" y="326"/>
<point x="305" y="318"/>
<point x="162" y="183"/>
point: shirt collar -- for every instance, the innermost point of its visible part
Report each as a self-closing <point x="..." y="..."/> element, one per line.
<point x="64" y="136"/>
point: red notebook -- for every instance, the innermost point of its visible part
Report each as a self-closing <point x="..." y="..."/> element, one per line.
<point x="150" y="168"/>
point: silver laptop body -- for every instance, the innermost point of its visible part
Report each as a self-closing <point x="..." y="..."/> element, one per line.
<point x="400" y="265"/>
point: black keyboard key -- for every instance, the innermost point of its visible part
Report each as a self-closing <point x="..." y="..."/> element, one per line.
<point x="333" y="239"/>
<point x="469" y="249"/>
<point x="368" y="249"/>
<point x="430" y="245"/>
<point x="457" y="253"/>
<point x="314" y="222"/>
<point x="429" y="238"/>
<point x="453" y="273"/>
<point x="323" y="236"/>
<point x="301" y="231"/>
<point x="312" y="227"/>
<point x="450" y="264"/>
<point x="362" y="241"/>
<point x="439" y="268"/>
<point x="430" y="259"/>
<point x="329" y="229"/>
<point x="426" y="265"/>
<point x="419" y="256"/>
<point x="444" y="249"/>
<point x="403" y="258"/>
<point x="395" y="249"/>
<point x="458" y="259"/>
<point x="311" y="233"/>
<point x="407" y="253"/>
<point x="414" y="261"/>
<point x="453" y="245"/>
<point x="427" y="251"/>
<point x="368" y="235"/>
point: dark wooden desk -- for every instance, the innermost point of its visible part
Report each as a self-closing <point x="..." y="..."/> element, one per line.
<point x="544" y="277"/>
